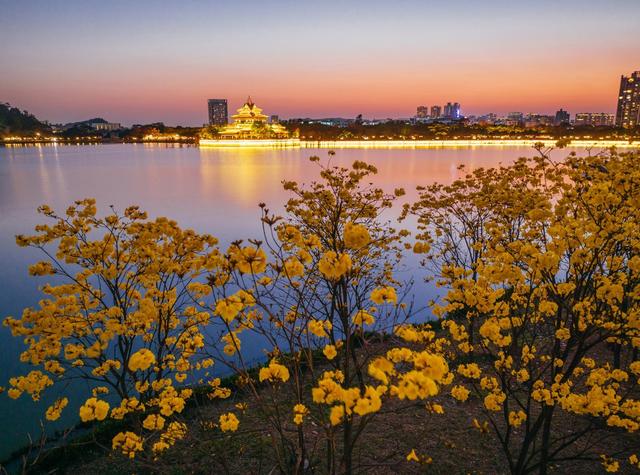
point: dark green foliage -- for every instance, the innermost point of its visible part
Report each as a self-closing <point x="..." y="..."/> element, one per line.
<point x="13" y="121"/>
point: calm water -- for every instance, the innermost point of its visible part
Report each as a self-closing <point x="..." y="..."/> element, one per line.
<point x="209" y="190"/>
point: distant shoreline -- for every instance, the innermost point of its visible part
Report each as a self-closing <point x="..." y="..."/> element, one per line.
<point x="292" y="143"/>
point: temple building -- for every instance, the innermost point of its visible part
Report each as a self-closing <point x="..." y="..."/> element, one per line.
<point x="250" y="123"/>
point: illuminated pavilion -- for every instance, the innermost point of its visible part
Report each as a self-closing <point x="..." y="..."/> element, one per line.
<point x="250" y="123"/>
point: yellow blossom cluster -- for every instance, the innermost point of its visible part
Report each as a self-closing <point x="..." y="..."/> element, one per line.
<point x="299" y="413"/>
<point x="229" y="422"/>
<point x="141" y="360"/>
<point x="274" y="372"/>
<point x="94" y="409"/>
<point x="346" y="401"/>
<point x="334" y="266"/>
<point x="362" y="317"/>
<point x="55" y="410"/>
<point x="248" y="260"/>
<point x="319" y="328"/>
<point x="128" y="443"/>
<point x="383" y="295"/>
<point x="356" y="236"/>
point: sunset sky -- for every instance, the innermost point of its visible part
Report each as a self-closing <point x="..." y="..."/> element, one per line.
<point x="144" y="61"/>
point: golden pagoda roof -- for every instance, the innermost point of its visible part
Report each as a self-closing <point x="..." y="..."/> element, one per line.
<point x="251" y="123"/>
<point x="249" y="111"/>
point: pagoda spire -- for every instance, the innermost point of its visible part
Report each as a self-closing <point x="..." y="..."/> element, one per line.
<point x="249" y="101"/>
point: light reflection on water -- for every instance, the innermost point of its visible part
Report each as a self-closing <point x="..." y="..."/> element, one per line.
<point x="210" y="190"/>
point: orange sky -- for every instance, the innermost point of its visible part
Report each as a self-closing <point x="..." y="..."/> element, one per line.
<point x="155" y="61"/>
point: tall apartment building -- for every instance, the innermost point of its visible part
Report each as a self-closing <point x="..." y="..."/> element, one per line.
<point x="452" y="110"/>
<point x="562" y="117"/>
<point x="628" y="113"/>
<point x="218" y="114"/>
<point x="422" y="112"/>
<point x="436" y="112"/>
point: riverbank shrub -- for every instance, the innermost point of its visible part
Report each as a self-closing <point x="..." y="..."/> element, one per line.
<point x="540" y="262"/>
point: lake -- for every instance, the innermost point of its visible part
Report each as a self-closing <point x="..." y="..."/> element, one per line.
<point x="210" y="190"/>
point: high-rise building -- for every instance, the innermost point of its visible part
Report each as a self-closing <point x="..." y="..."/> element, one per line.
<point x="218" y="114"/>
<point x="628" y="113"/>
<point x="436" y="112"/>
<point x="452" y="110"/>
<point x="596" y="119"/>
<point x="562" y="117"/>
<point x="422" y="112"/>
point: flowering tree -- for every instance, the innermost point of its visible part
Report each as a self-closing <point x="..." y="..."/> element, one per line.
<point x="556" y="283"/>
<point x="121" y="318"/>
<point x="320" y="289"/>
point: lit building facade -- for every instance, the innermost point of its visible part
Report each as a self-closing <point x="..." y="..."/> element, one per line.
<point x="422" y="112"/>
<point x="562" y="117"/>
<point x="250" y="123"/>
<point x="538" y="120"/>
<point x="596" y="119"/>
<point x="436" y="112"/>
<point x="628" y="112"/>
<point x="452" y="110"/>
<point x="106" y="126"/>
<point x="218" y="113"/>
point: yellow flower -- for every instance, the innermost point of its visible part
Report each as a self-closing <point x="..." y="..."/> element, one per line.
<point x="249" y="260"/>
<point x="336" y="415"/>
<point x="274" y="372"/>
<point x="460" y="393"/>
<point x="362" y="317"/>
<point x="369" y="403"/>
<point x="517" y="418"/>
<point x="229" y="422"/>
<point x="421" y="247"/>
<point x="494" y="401"/>
<point x="381" y="368"/>
<point x="94" y="409"/>
<point x="171" y="404"/>
<point x="356" y="236"/>
<point x="153" y="422"/>
<point x="490" y="330"/>
<point x="610" y="465"/>
<point x="175" y="431"/>
<point x="333" y="266"/>
<point x="522" y="375"/>
<point x="383" y="295"/>
<point x="227" y="309"/>
<point x="470" y="370"/>
<point x="141" y="360"/>
<point x="319" y="328"/>
<point x="563" y="334"/>
<point x="293" y="267"/>
<point x="299" y="411"/>
<point x="54" y="411"/>
<point x="413" y="457"/>
<point x="330" y="352"/>
<point x="484" y="427"/>
<point x="413" y="385"/>
<point x="128" y="443"/>
<point x="41" y="268"/>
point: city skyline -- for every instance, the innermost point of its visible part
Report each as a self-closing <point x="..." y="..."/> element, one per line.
<point x="137" y="64"/>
